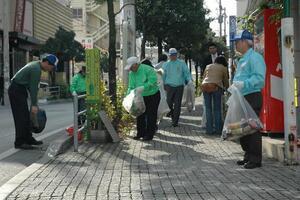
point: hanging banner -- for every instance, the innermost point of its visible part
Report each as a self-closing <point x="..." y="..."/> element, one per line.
<point x="232" y="30"/>
<point x="92" y="57"/>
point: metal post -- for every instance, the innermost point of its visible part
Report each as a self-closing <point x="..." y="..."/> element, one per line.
<point x="125" y="51"/>
<point x="290" y="128"/>
<point x="75" y="129"/>
<point x="6" y="27"/>
<point x="220" y="17"/>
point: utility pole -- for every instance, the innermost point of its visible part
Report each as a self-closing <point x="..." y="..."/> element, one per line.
<point x="220" y="17"/>
<point x="225" y="20"/>
<point x="288" y="76"/>
<point x="128" y="35"/>
<point x="296" y="15"/>
<point x="6" y="27"/>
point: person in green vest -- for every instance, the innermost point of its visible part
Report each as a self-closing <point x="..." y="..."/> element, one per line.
<point x="78" y="87"/>
<point x="143" y="80"/>
<point x="27" y="79"/>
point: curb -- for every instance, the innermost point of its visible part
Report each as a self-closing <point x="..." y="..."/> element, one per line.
<point x="56" y="147"/>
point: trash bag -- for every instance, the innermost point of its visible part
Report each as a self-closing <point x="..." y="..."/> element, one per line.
<point x="163" y="107"/>
<point x="190" y="97"/>
<point x="134" y="103"/>
<point x="38" y="121"/>
<point x="183" y="101"/>
<point x="240" y="120"/>
<point x="203" y="121"/>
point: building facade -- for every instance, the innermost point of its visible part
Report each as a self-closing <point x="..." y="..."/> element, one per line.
<point x="31" y="23"/>
<point x="90" y="23"/>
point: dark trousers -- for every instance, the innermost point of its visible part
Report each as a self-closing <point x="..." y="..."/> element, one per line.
<point x="18" y="102"/>
<point x="252" y="144"/>
<point x="174" y="98"/>
<point x="146" y="123"/>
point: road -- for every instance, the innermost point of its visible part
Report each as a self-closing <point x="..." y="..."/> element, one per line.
<point x="59" y="116"/>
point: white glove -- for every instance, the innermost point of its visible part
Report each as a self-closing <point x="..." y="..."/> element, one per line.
<point x="74" y="93"/>
<point x="238" y="84"/>
<point x="139" y="90"/>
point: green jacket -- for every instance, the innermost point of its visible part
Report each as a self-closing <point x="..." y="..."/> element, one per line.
<point x="29" y="76"/>
<point x="144" y="76"/>
<point x="78" y="83"/>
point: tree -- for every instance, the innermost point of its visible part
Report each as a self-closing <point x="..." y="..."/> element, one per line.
<point x="65" y="47"/>
<point x="176" y="23"/>
<point x="112" y="48"/>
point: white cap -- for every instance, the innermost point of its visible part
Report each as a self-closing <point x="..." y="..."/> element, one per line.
<point x="130" y="61"/>
<point x="172" y="51"/>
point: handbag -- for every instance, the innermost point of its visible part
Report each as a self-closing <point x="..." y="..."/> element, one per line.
<point x="209" y="87"/>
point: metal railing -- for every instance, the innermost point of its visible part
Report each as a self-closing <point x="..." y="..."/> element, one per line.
<point x="76" y="115"/>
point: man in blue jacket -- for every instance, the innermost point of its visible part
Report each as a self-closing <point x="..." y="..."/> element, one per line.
<point x="175" y="75"/>
<point x="250" y="79"/>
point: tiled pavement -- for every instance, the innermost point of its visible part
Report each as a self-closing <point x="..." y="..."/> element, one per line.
<point x="180" y="163"/>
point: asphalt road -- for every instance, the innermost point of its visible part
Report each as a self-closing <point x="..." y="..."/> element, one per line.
<point x="12" y="161"/>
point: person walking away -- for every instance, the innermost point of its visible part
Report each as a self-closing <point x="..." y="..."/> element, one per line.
<point x="143" y="80"/>
<point x="250" y="79"/>
<point x="213" y="54"/>
<point x="213" y="85"/>
<point x="2" y="89"/>
<point x="78" y="87"/>
<point x="27" y="79"/>
<point x="175" y="75"/>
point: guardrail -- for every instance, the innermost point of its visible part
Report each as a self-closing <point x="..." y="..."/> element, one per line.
<point x="76" y="115"/>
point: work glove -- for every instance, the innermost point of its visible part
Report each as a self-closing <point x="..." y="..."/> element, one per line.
<point x="74" y="93"/>
<point x="139" y="90"/>
<point x="238" y="84"/>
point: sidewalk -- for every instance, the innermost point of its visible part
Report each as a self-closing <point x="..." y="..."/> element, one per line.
<point x="180" y="163"/>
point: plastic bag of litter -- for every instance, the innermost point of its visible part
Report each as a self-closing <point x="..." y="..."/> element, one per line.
<point x="134" y="103"/>
<point x="240" y="120"/>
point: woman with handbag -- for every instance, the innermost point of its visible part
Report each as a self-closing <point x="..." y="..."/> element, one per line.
<point x="214" y="82"/>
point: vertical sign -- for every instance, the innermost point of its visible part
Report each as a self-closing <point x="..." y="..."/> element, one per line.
<point x="28" y="19"/>
<point x="19" y="17"/>
<point x="232" y="30"/>
<point x="92" y="57"/>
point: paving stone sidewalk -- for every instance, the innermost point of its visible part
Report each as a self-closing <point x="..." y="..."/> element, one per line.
<point x="180" y="163"/>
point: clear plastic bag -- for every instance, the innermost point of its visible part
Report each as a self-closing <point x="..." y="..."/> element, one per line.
<point x="190" y="97"/>
<point x="163" y="107"/>
<point x="134" y="103"/>
<point x="203" y="121"/>
<point x="240" y="119"/>
<point x="183" y="101"/>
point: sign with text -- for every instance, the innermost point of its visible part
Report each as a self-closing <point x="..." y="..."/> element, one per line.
<point x="87" y="43"/>
<point x="92" y="58"/>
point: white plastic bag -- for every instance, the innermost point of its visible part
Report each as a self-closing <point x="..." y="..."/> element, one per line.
<point x="163" y="107"/>
<point x="134" y="103"/>
<point x="190" y="97"/>
<point x="183" y="101"/>
<point x="203" y="121"/>
<point x="240" y="119"/>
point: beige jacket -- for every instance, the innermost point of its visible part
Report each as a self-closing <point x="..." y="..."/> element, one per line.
<point x="216" y="73"/>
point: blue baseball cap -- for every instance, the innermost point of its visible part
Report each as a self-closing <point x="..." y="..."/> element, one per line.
<point x="242" y="35"/>
<point x="52" y="59"/>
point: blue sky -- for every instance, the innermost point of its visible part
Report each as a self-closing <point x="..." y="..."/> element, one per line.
<point x="213" y="5"/>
